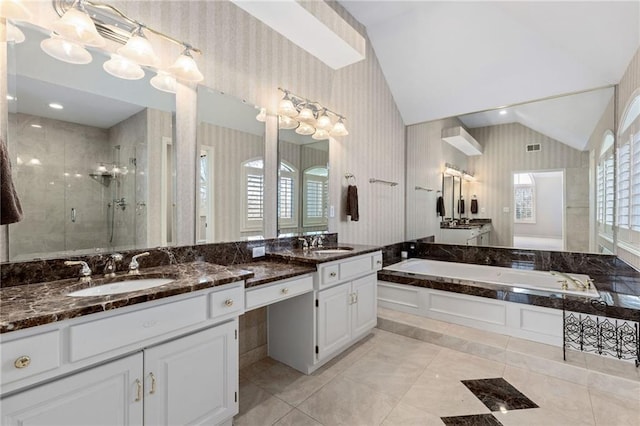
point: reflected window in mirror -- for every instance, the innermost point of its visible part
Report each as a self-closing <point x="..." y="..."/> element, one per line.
<point x="253" y="207"/>
<point x="287" y="196"/>
<point x="524" y="190"/>
<point x="628" y="177"/>
<point x="97" y="174"/>
<point x="316" y="194"/>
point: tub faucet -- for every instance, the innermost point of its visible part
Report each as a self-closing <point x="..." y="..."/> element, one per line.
<point x="85" y="271"/>
<point x="568" y="278"/>
<point x="110" y="266"/>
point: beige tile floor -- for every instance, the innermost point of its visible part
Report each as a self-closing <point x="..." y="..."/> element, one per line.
<point x="388" y="379"/>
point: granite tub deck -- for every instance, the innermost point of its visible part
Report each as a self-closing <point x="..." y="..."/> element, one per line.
<point x="619" y="296"/>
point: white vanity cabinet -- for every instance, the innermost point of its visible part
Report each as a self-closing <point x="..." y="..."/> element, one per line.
<point x="307" y="331"/>
<point x="169" y="362"/>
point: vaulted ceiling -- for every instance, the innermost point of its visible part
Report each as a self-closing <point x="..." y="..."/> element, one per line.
<point x="446" y="58"/>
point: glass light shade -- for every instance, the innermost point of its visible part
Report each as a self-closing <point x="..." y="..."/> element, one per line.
<point x="14" y="34"/>
<point x="121" y="67"/>
<point x="262" y="115"/>
<point x="185" y="68"/>
<point x="305" y="129"/>
<point x="324" y="122"/>
<point x="14" y="9"/>
<point x="339" y="129"/>
<point x="320" y="134"/>
<point x="286" y="108"/>
<point x="306" y="116"/>
<point x="75" y="25"/>
<point x="138" y="49"/>
<point x="285" y="122"/>
<point x="65" y="50"/>
<point x="164" y="81"/>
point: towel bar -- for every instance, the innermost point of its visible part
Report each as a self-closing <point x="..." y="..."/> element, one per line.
<point x="386" y="182"/>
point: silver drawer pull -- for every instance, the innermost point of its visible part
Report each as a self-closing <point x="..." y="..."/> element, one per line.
<point x="285" y="290"/>
<point x="333" y="274"/>
<point x="378" y="262"/>
<point x="228" y="302"/>
<point x="22" y="362"/>
<point x="139" y="390"/>
<point x="153" y="384"/>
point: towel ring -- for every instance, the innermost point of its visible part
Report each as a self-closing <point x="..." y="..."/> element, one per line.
<point x="350" y="177"/>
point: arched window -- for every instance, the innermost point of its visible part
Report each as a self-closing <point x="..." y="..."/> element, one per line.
<point x="524" y="191"/>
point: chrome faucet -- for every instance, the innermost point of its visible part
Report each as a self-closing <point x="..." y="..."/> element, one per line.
<point x="568" y="278"/>
<point x="316" y="241"/>
<point x="85" y="271"/>
<point x="305" y="244"/>
<point x="110" y="266"/>
<point x="134" y="265"/>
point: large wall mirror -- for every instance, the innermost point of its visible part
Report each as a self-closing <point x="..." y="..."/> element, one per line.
<point x="303" y="184"/>
<point x="92" y="154"/>
<point x="231" y="162"/>
<point x="545" y="177"/>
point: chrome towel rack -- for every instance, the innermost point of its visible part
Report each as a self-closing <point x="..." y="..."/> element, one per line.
<point x="351" y="178"/>
<point x="386" y="182"/>
<point x="422" y="188"/>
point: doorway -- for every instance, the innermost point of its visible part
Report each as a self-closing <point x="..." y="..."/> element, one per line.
<point x="538" y="210"/>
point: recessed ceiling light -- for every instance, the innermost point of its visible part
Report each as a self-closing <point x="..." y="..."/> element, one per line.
<point x="55" y="106"/>
<point x="503" y="112"/>
<point x="36" y="126"/>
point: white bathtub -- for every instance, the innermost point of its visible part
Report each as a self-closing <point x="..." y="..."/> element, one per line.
<point x="518" y="279"/>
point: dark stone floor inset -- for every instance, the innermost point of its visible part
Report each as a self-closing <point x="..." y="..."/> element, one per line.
<point x="498" y="394"/>
<point x="471" y="420"/>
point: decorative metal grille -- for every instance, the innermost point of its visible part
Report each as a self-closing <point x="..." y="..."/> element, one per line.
<point x="604" y="336"/>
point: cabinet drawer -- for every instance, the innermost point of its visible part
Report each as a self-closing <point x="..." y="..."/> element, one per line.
<point x="106" y="334"/>
<point x="280" y="290"/>
<point x="227" y="302"/>
<point x="355" y="267"/>
<point x="377" y="261"/>
<point x="30" y="356"/>
<point x="330" y="274"/>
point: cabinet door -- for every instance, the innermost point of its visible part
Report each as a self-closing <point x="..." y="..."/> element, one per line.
<point x="108" y="395"/>
<point x="193" y="379"/>
<point x="364" y="312"/>
<point x="334" y="319"/>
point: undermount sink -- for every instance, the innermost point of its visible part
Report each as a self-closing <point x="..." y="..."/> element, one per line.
<point x="333" y="250"/>
<point x="123" y="286"/>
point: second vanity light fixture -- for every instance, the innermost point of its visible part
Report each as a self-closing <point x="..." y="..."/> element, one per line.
<point x="309" y="117"/>
<point x="85" y="23"/>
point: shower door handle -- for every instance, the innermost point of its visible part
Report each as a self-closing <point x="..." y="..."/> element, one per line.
<point x="73" y="215"/>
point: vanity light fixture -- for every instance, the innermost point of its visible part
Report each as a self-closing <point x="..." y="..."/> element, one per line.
<point x="10" y="98"/>
<point x="285" y="122"/>
<point x="76" y="26"/>
<point x="14" y="9"/>
<point x="164" y="81"/>
<point x="451" y="170"/>
<point x="138" y="49"/>
<point x="88" y="23"/>
<point x="54" y="105"/>
<point x="468" y="176"/>
<point x="185" y="68"/>
<point x="121" y="67"/>
<point x="311" y="118"/>
<point x="65" y="50"/>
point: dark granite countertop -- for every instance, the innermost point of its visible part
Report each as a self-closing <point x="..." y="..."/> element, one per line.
<point x="267" y="271"/>
<point x="618" y="294"/>
<point x="43" y="303"/>
<point x="312" y="256"/>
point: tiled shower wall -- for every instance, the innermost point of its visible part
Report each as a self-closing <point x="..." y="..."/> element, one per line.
<point x="51" y="173"/>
